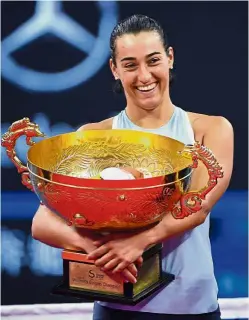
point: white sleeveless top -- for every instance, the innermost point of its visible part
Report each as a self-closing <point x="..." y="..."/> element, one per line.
<point x="188" y="257"/>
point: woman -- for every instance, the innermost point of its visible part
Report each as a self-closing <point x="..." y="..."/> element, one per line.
<point x="141" y="63"/>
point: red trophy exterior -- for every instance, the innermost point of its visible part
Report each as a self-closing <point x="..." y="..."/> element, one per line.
<point x="67" y="174"/>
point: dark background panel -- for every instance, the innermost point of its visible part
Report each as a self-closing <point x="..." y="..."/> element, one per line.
<point x="210" y="42"/>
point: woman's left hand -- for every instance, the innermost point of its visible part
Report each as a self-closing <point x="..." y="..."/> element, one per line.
<point x="117" y="251"/>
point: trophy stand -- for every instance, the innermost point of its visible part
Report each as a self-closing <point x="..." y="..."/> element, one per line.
<point x="82" y="279"/>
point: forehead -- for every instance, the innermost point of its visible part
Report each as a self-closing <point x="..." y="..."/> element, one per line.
<point x="138" y="45"/>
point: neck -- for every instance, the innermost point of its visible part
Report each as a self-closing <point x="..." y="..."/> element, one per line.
<point x="150" y="119"/>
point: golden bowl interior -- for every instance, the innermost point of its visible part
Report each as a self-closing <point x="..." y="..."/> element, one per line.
<point x="85" y="154"/>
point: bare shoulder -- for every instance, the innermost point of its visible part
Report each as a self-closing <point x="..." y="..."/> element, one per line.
<point x="102" y="125"/>
<point x="203" y="124"/>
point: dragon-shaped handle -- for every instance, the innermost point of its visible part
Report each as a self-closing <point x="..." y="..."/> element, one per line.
<point x="8" y="141"/>
<point x="191" y="201"/>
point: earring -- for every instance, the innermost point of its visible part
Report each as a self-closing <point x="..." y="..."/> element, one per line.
<point x="171" y="67"/>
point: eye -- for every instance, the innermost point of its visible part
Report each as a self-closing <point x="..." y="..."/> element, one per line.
<point x="130" y="65"/>
<point x="154" y="60"/>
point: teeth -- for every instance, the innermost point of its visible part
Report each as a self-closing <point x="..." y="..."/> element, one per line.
<point x="146" y="88"/>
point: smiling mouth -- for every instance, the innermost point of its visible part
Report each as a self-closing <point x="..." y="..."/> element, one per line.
<point x="148" y="88"/>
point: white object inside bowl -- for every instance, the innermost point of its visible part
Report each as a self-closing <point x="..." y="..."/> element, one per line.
<point x="113" y="173"/>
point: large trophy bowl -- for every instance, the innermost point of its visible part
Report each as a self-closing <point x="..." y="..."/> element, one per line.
<point x="78" y="176"/>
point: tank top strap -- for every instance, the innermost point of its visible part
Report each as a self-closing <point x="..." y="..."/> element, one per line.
<point x="115" y="122"/>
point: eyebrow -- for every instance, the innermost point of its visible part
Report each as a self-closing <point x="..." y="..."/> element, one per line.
<point x="132" y="58"/>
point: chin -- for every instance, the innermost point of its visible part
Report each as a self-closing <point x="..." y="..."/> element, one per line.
<point x="151" y="104"/>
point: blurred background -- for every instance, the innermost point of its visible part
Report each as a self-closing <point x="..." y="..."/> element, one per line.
<point x="55" y="71"/>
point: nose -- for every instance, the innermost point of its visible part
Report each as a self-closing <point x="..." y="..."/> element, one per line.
<point x="144" y="75"/>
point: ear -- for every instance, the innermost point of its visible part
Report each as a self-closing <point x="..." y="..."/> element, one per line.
<point x="113" y="69"/>
<point x="170" y="55"/>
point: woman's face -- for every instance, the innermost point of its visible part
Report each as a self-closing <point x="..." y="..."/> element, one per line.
<point x="143" y="68"/>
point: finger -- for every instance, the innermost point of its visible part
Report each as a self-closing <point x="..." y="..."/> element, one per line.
<point x="128" y="276"/>
<point x="121" y="266"/>
<point x="111" y="264"/>
<point x="104" y="260"/>
<point x="97" y="253"/>
<point x="139" y="262"/>
<point x="98" y="243"/>
<point x="133" y="270"/>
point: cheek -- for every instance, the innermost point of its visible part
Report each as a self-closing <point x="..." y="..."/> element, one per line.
<point x="160" y="72"/>
<point x="164" y="77"/>
<point x="127" y="80"/>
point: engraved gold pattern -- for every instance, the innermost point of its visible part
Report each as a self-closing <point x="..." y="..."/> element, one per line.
<point x="89" y="158"/>
<point x="85" y="154"/>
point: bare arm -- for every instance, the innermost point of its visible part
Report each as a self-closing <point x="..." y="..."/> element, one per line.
<point x="219" y="139"/>
<point x="53" y="230"/>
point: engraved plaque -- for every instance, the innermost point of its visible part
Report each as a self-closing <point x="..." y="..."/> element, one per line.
<point x="89" y="277"/>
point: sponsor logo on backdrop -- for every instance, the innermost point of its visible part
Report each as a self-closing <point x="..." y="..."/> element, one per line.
<point x="49" y="17"/>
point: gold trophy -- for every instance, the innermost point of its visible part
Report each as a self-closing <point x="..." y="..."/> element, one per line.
<point x="65" y="173"/>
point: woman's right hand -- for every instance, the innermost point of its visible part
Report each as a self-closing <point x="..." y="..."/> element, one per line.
<point x="129" y="274"/>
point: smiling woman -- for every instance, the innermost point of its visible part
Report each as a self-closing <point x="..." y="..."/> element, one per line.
<point x="141" y="60"/>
